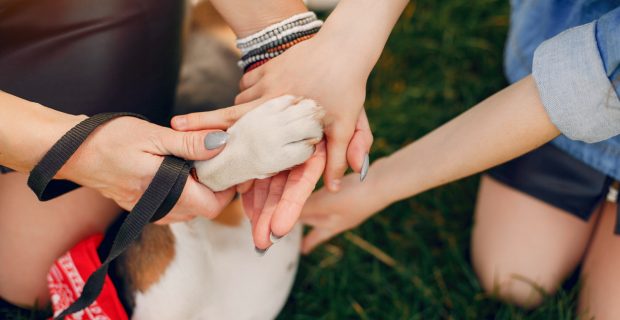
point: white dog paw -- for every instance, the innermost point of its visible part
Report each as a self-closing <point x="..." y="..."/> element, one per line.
<point x="273" y="137"/>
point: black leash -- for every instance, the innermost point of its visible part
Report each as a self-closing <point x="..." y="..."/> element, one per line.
<point x="160" y="196"/>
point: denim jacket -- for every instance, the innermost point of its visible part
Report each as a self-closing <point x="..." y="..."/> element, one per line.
<point x="572" y="49"/>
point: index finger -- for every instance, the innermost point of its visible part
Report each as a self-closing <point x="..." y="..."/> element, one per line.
<point x="299" y="186"/>
<point x="217" y="119"/>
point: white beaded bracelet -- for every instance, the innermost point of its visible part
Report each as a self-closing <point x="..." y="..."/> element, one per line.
<point x="306" y="27"/>
<point x="243" y="41"/>
<point x="278" y="30"/>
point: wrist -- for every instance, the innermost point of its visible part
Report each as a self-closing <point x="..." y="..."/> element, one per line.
<point x="265" y="16"/>
<point x="270" y="42"/>
<point x="358" y="30"/>
<point x="384" y="182"/>
<point x="57" y="127"/>
<point x="376" y="186"/>
<point x="45" y="127"/>
<point x="340" y="46"/>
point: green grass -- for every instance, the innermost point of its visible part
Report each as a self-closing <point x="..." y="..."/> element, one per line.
<point x="443" y="57"/>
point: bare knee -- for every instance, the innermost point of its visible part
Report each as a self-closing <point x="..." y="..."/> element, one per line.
<point x="523" y="286"/>
<point x="522" y="248"/>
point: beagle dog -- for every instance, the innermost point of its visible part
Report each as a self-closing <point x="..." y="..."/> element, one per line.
<point x="204" y="269"/>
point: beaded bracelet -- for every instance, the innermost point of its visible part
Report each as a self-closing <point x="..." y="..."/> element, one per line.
<point x="264" y="55"/>
<point x="280" y="35"/>
<point x="270" y="34"/>
<point x="279" y="42"/>
<point x="282" y="25"/>
<point x="272" y="41"/>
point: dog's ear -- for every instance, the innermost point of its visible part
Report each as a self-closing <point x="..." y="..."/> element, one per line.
<point x="146" y="260"/>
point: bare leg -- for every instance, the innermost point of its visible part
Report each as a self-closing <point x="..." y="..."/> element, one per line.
<point x="601" y="270"/>
<point x="33" y="234"/>
<point x="522" y="247"/>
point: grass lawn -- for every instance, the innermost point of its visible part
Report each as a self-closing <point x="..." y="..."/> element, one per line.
<point x="412" y="260"/>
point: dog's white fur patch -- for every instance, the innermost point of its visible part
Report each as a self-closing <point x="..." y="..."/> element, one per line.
<point x="273" y="137"/>
<point x="216" y="273"/>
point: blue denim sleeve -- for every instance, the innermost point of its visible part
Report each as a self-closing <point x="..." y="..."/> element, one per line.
<point x="578" y="77"/>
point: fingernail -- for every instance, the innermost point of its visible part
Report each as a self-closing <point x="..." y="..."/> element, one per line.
<point x="179" y="122"/>
<point x="260" y="252"/>
<point x="365" y="166"/>
<point x="215" y="139"/>
<point x="274" y="238"/>
<point x="335" y="184"/>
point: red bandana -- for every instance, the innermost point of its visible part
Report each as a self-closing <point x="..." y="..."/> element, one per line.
<point x="67" y="277"/>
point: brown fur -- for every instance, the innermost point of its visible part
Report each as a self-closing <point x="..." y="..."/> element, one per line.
<point x="147" y="259"/>
<point x="232" y="215"/>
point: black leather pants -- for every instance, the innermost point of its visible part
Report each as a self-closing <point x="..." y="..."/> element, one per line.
<point x="92" y="56"/>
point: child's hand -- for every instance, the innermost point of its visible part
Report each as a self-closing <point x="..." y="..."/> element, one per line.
<point x="317" y="68"/>
<point x="331" y="213"/>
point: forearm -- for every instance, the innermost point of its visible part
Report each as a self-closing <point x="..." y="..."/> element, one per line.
<point x="249" y="16"/>
<point x="359" y="29"/>
<point x="504" y="126"/>
<point x="28" y="130"/>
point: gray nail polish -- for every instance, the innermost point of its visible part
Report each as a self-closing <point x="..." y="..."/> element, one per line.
<point x="260" y="252"/>
<point x="365" y="166"/>
<point x="215" y="139"/>
<point x="274" y="238"/>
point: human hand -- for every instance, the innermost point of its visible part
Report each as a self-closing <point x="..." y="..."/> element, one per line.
<point x="273" y="204"/>
<point x="313" y="70"/>
<point x="120" y="158"/>
<point x="330" y="213"/>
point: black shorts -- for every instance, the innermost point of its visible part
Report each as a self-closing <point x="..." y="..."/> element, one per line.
<point x="556" y="178"/>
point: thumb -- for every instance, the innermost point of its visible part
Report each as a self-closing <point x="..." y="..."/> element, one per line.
<point x="192" y="145"/>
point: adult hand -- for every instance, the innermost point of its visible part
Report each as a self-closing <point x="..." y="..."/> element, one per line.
<point x="122" y="156"/>
<point x="273" y="204"/>
<point x="313" y="70"/>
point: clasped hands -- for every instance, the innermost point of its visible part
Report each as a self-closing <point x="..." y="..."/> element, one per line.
<point x="121" y="157"/>
<point x="274" y="204"/>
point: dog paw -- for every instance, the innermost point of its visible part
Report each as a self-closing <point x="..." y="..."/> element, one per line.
<point x="273" y="137"/>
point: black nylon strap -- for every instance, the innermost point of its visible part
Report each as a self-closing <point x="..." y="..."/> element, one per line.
<point x="172" y="172"/>
<point x="160" y="196"/>
<point x="41" y="177"/>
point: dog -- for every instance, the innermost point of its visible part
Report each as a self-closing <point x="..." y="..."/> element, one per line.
<point x="205" y="269"/>
<point x="209" y="269"/>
